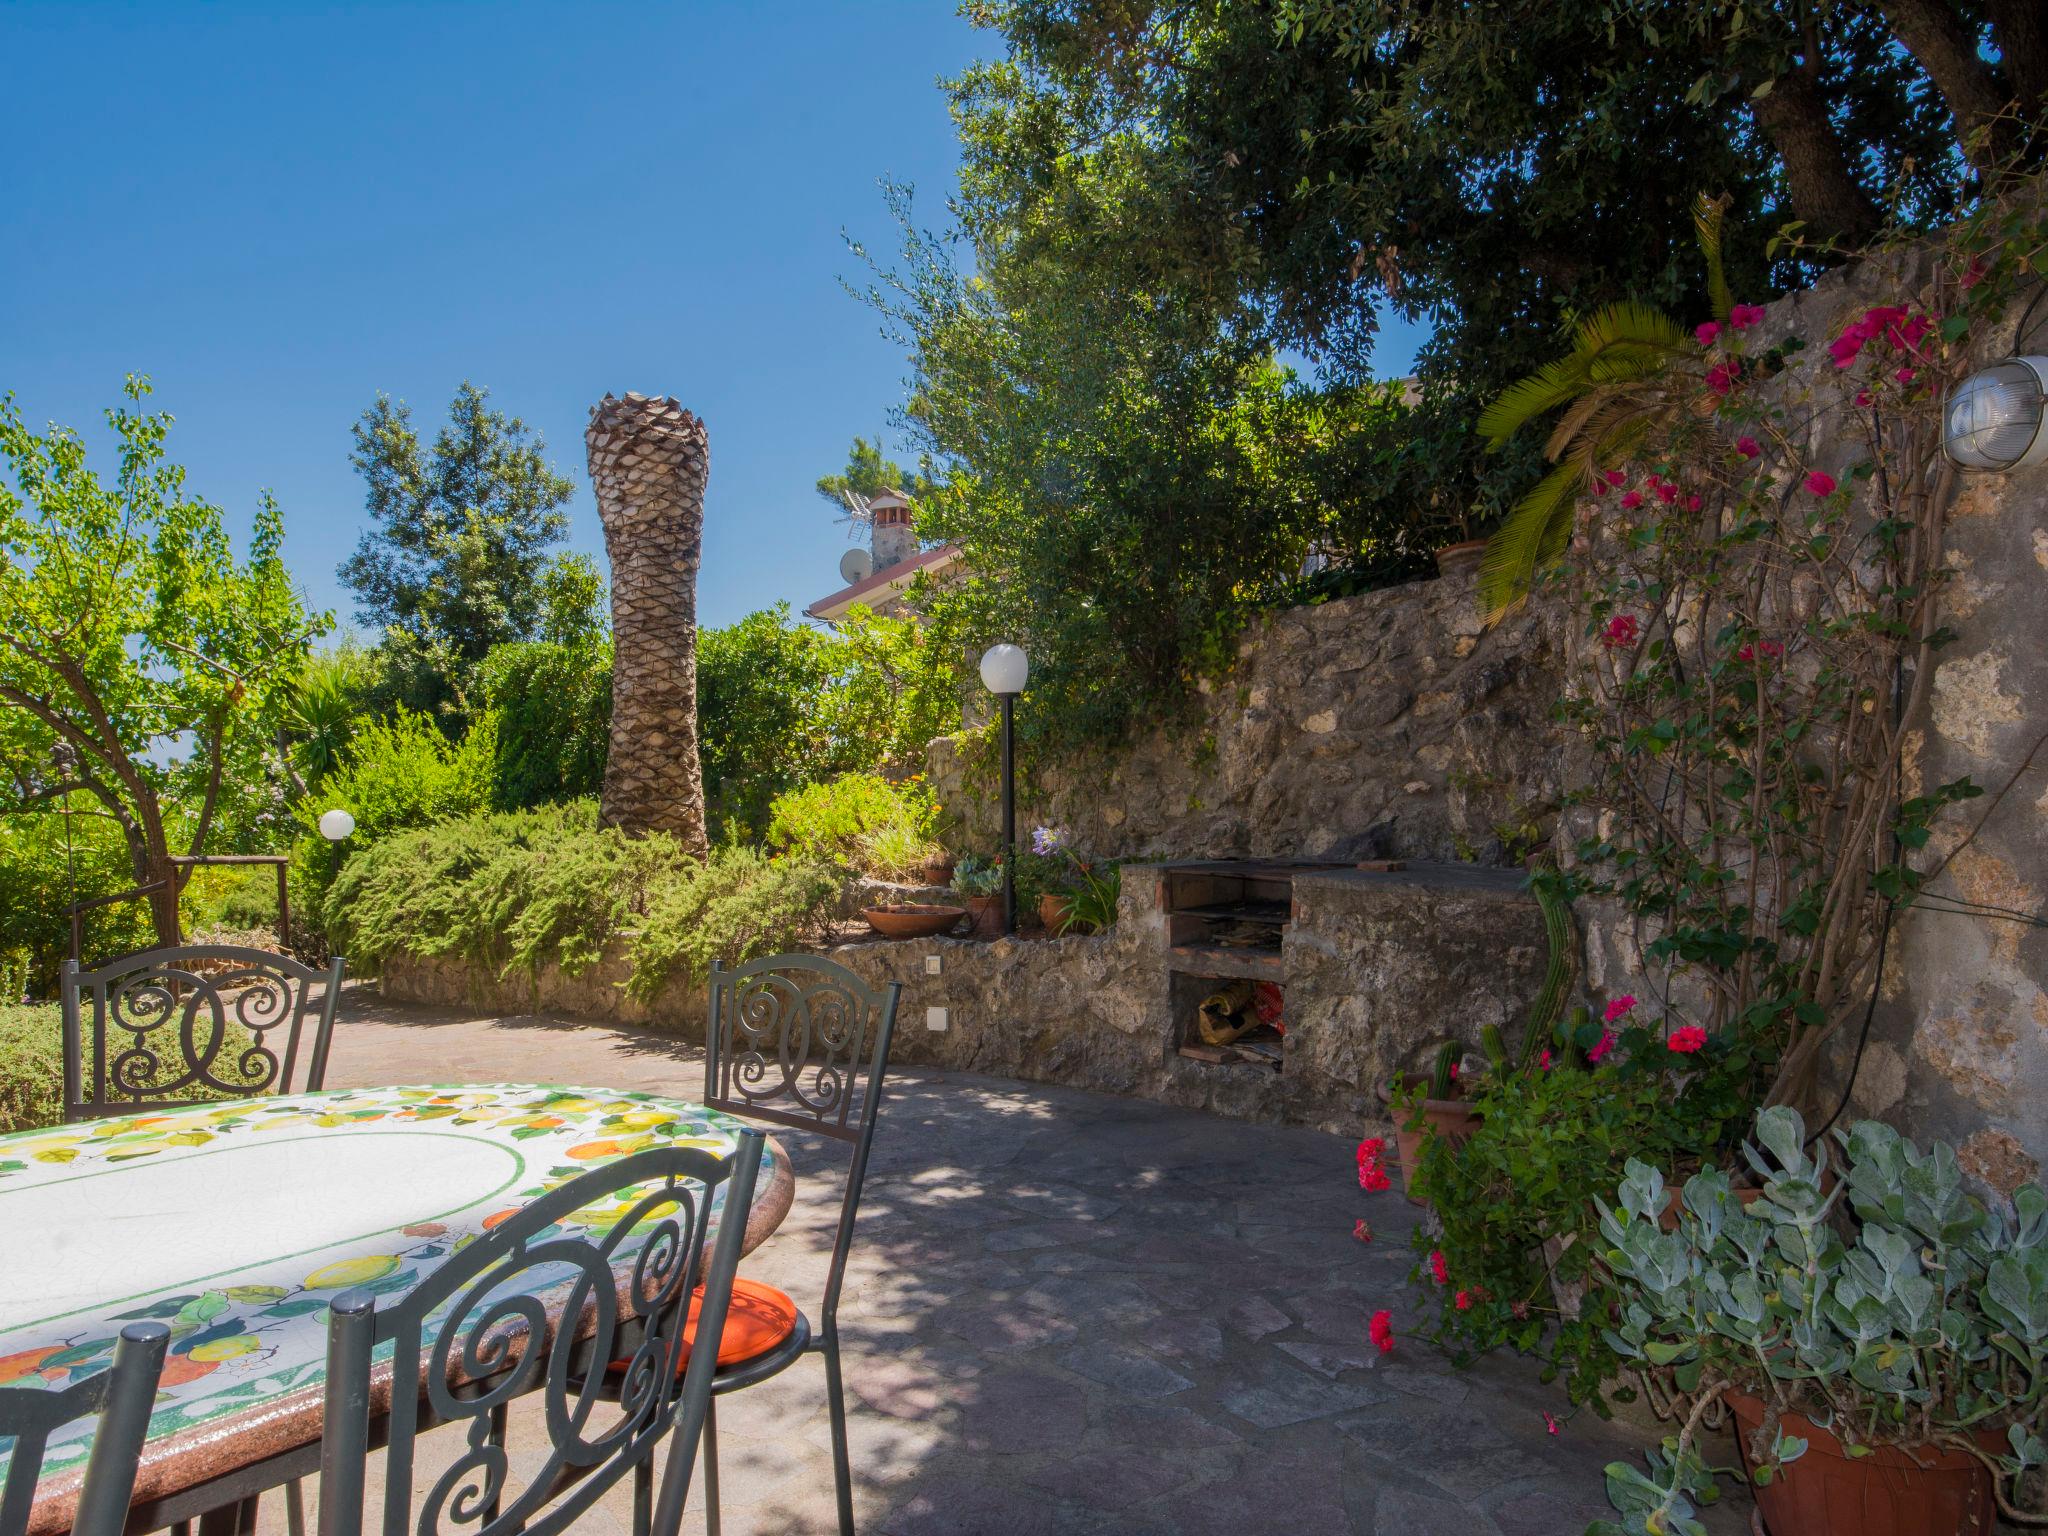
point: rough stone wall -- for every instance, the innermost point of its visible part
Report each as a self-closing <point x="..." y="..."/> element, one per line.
<point x="1392" y="723"/>
<point x="1379" y="969"/>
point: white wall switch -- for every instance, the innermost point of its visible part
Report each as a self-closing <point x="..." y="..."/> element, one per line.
<point x="933" y="965"/>
<point x="935" y="1018"/>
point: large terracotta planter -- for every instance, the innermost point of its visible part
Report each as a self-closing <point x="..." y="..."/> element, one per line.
<point x="987" y="912"/>
<point x="1452" y="1119"/>
<point x="1462" y="556"/>
<point x="1886" y="1493"/>
<point x="1054" y="907"/>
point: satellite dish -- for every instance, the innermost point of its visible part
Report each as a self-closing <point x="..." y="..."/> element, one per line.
<point x="856" y="565"/>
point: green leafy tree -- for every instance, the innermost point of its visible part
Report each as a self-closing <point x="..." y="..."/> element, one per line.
<point x="145" y="668"/>
<point x="553" y="705"/>
<point x="457" y="558"/>
<point x="866" y="474"/>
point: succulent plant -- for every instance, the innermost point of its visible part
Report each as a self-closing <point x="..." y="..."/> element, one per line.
<point x="1892" y="1306"/>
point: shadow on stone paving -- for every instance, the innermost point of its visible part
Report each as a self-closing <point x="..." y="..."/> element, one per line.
<point x="1071" y="1312"/>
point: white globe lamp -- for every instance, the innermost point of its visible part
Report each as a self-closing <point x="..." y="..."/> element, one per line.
<point x="1005" y="669"/>
<point x="336" y="824"/>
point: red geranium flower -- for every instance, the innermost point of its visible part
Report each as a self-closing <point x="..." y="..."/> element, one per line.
<point x="1687" y="1040"/>
<point x="1618" y="1007"/>
<point x="1438" y="1268"/>
<point x="1381" y="1331"/>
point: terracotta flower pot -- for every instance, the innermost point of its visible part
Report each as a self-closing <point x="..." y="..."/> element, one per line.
<point x="1892" y="1491"/>
<point x="938" y="869"/>
<point x="1452" y="1119"/>
<point x="1462" y="556"/>
<point x="987" y="912"/>
<point x="1054" y="908"/>
<point x="909" y="920"/>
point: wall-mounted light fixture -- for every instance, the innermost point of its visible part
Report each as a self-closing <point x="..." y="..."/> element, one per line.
<point x="1993" y="420"/>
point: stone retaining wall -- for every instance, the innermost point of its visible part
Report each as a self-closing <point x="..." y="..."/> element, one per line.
<point x="1379" y="967"/>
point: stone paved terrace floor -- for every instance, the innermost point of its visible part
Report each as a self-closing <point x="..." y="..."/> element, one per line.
<point x="1071" y="1312"/>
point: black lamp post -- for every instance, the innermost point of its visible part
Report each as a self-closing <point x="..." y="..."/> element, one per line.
<point x="1004" y="671"/>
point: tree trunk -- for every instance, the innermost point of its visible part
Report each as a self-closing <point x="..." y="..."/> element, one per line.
<point x="163" y="903"/>
<point x="2019" y="28"/>
<point x="1935" y="35"/>
<point x="649" y="460"/>
<point x="1824" y="194"/>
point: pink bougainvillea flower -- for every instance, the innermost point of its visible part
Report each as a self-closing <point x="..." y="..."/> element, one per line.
<point x="1616" y="477"/>
<point x="1692" y="502"/>
<point x="1687" y="1040"/>
<point x="1743" y="316"/>
<point x="1722" y="376"/>
<point x="1748" y="447"/>
<point x="1439" y="1269"/>
<point x="1863" y="397"/>
<point x="1361" y="1230"/>
<point x="1904" y="375"/>
<point x="1821" y="483"/>
<point x="1667" y="493"/>
<point x="1381" y="1331"/>
<point x="1462" y="1301"/>
<point x="1618" y="1007"/>
<point x="1602" y="1049"/>
<point x="1705" y="334"/>
<point x="1973" y="274"/>
<point x="1622" y="629"/>
<point x="1632" y="500"/>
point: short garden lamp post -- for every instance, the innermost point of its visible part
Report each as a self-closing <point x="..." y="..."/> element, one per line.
<point x="335" y="826"/>
<point x="1004" y="669"/>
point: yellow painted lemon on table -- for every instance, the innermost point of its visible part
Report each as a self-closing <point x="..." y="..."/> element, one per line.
<point x="229" y="1348"/>
<point x="347" y="1272"/>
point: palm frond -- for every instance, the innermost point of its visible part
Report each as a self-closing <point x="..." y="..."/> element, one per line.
<point x="1624" y="325"/>
<point x="1708" y="216"/>
<point x="1533" y="536"/>
<point x="1526" y="399"/>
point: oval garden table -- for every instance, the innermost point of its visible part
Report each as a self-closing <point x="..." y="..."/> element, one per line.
<point x="238" y="1223"/>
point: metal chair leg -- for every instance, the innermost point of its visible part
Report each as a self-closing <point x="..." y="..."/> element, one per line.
<point x="643" y="1492"/>
<point x="295" y="1508"/>
<point x="181" y="1528"/>
<point x="842" y="1464"/>
<point x="711" y="1468"/>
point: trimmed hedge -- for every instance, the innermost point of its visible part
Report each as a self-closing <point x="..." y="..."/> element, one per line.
<point x="31" y="1067"/>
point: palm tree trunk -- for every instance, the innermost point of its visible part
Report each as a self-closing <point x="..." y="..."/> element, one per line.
<point x="649" y="461"/>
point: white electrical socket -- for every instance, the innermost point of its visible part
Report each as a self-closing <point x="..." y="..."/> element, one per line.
<point x="935" y="1019"/>
<point x="932" y="965"/>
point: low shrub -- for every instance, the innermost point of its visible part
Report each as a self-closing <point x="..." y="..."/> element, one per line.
<point x="31" y="1067"/>
<point x="738" y="905"/>
<point x="520" y="889"/>
<point x="858" y="821"/>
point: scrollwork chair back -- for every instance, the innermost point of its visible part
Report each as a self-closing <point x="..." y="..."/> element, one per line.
<point x="122" y="1395"/>
<point x="803" y="1041"/>
<point x="532" y="1306"/>
<point x="203" y="1021"/>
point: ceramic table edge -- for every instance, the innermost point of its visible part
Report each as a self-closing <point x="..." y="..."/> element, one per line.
<point x="234" y="1441"/>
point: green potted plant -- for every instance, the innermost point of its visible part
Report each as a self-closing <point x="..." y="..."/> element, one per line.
<point x="1882" y="1346"/>
<point x="1091" y="903"/>
<point x="980" y="882"/>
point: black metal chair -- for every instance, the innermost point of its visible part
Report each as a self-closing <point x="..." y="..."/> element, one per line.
<point x="477" y="1333"/>
<point x="801" y="1041"/>
<point x="157" y="1029"/>
<point x="122" y="1395"/>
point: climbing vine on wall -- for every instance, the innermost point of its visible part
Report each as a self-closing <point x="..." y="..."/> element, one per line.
<point x="1760" y="585"/>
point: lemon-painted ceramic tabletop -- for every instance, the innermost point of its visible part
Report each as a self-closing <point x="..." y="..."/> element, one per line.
<point x="238" y="1223"/>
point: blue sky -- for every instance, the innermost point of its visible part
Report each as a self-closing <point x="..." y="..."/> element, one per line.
<point x="279" y="211"/>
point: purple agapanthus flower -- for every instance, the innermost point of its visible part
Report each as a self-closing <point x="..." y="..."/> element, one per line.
<point x="1046" y="840"/>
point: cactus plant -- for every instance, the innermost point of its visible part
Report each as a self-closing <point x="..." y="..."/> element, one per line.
<point x="1445" y="1072"/>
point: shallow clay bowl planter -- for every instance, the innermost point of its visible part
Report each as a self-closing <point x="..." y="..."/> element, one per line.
<point x="1462" y="556"/>
<point x="909" y="920"/>
<point x="1892" y="1491"/>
